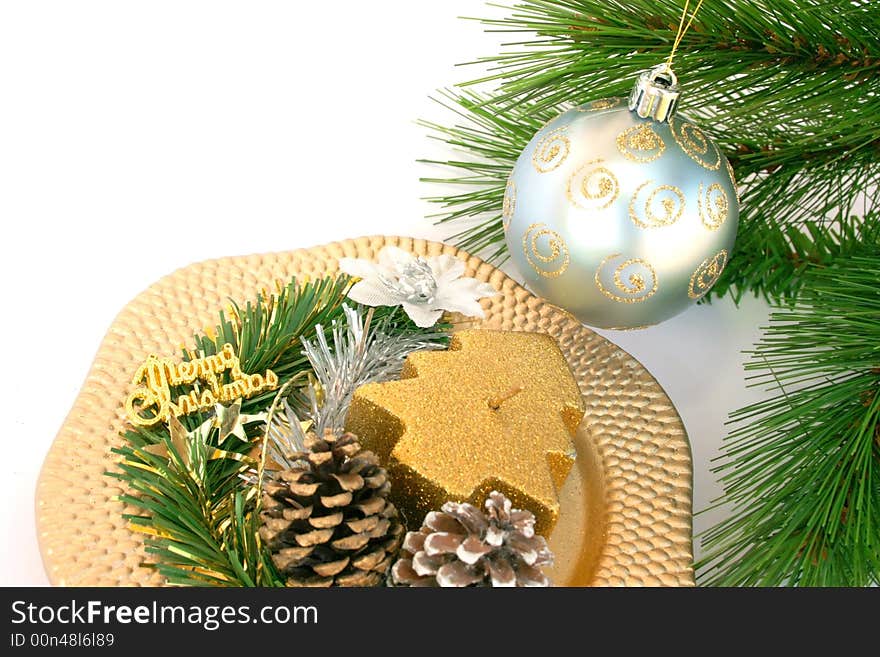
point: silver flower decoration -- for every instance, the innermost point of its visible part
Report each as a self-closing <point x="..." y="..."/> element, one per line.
<point x="425" y="287"/>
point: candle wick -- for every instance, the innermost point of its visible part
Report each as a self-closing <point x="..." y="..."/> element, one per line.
<point x="495" y="402"/>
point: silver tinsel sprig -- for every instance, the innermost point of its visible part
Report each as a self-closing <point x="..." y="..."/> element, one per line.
<point x="357" y="351"/>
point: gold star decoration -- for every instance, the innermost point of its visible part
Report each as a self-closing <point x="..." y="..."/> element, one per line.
<point x="497" y="411"/>
<point x="229" y="420"/>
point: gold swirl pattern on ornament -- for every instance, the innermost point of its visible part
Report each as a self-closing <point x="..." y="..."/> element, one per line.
<point x="668" y="197"/>
<point x="696" y="144"/>
<point x="640" y="144"/>
<point x="707" y="274"/>
<point x="634" y="288"/>
<point x="599" y="105"/>
<point x="733" y="182"/>
<point x="551" y="151"/>
<point x="713" y="207"/>
<point x="547" y="266"/>
<point x="508" y="206"/>
<point x="592" y="187"/>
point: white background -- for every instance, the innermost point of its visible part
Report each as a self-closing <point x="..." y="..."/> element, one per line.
<point x="139" y="137"/>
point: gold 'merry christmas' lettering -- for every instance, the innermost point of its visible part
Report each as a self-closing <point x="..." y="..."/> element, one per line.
<point x="150" y="402"/>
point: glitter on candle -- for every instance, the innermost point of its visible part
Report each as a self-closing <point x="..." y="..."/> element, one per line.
<point x="442" y="441"/>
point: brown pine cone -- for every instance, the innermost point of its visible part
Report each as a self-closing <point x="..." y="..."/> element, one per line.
<point x="328" y="522"/>
<point x="461" y="546"/>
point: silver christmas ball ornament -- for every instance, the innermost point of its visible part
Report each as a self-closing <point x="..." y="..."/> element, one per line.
<point x="621" y="211"/>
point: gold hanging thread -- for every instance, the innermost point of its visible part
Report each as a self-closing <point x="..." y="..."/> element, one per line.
<point x="682" y="30"/>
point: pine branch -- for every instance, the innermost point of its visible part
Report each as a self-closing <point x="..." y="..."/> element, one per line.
<point x="198" y="527"/>
<point x="492" y="141"/>
<point x="768" y="41"/>
<point x="787" y="88"/>
<point x="802" y="469"/>
<point x="199" y="521"/>
<point x="266" y="333"/>
<point x="774" y="259"/>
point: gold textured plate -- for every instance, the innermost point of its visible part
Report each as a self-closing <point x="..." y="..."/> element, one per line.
<point x="626" y="510"/>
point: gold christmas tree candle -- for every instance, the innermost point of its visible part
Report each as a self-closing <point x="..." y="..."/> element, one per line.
<point x="497" y="411"/>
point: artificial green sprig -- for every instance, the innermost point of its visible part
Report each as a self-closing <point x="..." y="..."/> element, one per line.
<point x="190" y="486"/>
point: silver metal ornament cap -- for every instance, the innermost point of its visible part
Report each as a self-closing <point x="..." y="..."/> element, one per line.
<point x="655" y="94"/>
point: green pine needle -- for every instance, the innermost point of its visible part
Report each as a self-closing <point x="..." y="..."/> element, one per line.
<point x="266" y="333"/>
<point x="773" y="260"/>
<point x="802" y="469"/>
<point x="493" y="140"/>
